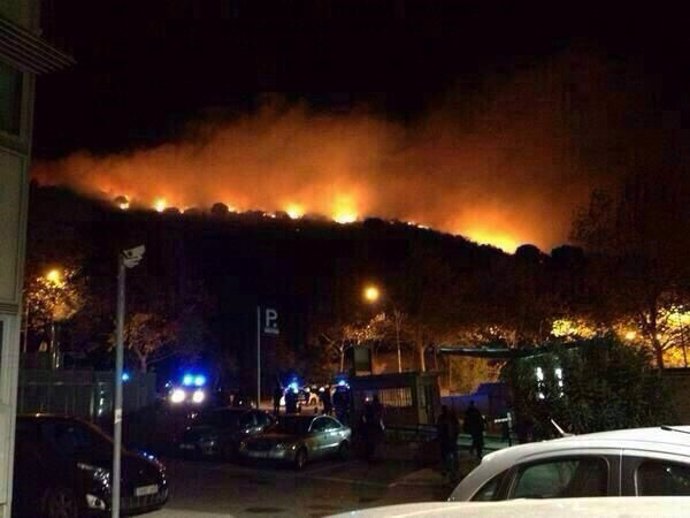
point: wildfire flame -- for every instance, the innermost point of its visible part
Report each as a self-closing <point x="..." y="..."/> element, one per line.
<point x="501" y="169"/>
<point x="294" y="211"/>
<point x="159" y="204"/>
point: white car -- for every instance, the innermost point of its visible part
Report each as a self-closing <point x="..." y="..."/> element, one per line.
<point x="632" y="462"/>
<point x="597" y="507"/>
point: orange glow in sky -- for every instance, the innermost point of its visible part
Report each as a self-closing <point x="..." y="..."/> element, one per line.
<point x="506" y="177"/>
<point x="496" y="238"/>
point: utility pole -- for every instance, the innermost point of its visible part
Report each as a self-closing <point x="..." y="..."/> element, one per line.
<point x="127" y="259"/>
<point x="258" y="356"/>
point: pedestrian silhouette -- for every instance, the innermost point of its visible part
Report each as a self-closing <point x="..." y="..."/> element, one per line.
<point x="474" y="425"/>
<point x="448" y="429"/>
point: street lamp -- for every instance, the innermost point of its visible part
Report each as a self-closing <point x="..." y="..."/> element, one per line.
<point x="127" y="259"/>
<point x="54" y="281"/>
<point x="372" y="294"/>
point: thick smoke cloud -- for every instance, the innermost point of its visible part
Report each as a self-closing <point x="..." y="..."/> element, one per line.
<point x="506" y="165"/>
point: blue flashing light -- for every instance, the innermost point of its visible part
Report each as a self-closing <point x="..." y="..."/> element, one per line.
<point x="125" y="376"/>
<point x="187" y="380"/>
<point x="200" y="380"/>
<point x="294" y="386"/>
<point x="342" y="383"/>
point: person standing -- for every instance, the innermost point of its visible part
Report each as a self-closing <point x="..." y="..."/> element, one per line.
<point x="447" y="430"/>
<point x="325" y="396"/>
<point x="341" y="404"/>
<point x="277" y="395"/>
<point x="290" y="401"/>
<point x="474" y="425"/>
<point x="372" y="426"/>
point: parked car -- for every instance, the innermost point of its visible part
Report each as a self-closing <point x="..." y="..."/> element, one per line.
<point x="298" y="439"/>
<point x="218" y="432"/>
<point x="631" y="462"/>
<point x="596" y="507"/>
<point x="62" y="470"/>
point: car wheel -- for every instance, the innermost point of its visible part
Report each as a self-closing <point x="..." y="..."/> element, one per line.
<point x="300" y="458"/>
<point x="61" y="503"/>
<point x="344" y="450"/>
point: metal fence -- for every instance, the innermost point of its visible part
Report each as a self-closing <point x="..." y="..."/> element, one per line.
<point x="83" y="393"/>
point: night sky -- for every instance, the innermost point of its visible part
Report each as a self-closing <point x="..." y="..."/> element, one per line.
<point x="488" y="111"/>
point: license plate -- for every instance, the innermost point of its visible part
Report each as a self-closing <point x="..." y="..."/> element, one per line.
<point x="146" y="490"/>
<point x="259" y="454"/>
<point x="186" y="446"/>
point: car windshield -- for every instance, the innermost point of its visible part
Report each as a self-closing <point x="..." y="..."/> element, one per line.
<point x="218" y="418"/>
<point x="292" y="425"/>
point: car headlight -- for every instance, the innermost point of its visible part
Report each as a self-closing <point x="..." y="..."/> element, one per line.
<point x="178" y="396"/>
<point x="199" y="396"/>
<point x="100" y="474"/>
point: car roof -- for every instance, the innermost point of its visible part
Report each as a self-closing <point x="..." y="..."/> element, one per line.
<point x="665" y="440"/>
<point x="671" y="439"/>
<point x="592" y="507"/>
<point x="303" y="417"/>
<point x="50" y="417"/>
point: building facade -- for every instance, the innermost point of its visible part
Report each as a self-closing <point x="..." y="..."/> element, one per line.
<point x="23" y="56"/>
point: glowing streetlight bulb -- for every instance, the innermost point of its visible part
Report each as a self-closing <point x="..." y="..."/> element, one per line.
<point x="371" y="294"/>
<point x="54" y="276"/>
<point x="630" y="335"/>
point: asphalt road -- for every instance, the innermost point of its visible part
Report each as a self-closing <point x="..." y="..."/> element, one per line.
<point x="322" y="488"/>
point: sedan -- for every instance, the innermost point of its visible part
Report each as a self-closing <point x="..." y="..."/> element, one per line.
<point x="632" y="462"/>
<point x="298" y="439"/>
<point x="218" y="432"/>
<point x="595" y="507"/>
<point x="62" y="470"/>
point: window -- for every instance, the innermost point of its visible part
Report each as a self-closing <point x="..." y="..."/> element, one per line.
<point x="565" y="478"/>
<point x="320" y="425"/>
<point x="247" y="420"/>
<point x="396" y="397"/>
<point x="67" y="437"/>
<point x="330" y="424"/>
<point x="489" y="491"/>
<point x="263" y="419"/>
<point x="11" y="83"/>
<point x="661" y="478"/>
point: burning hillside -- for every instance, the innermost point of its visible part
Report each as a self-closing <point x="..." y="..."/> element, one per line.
<point x="505" y="171"/>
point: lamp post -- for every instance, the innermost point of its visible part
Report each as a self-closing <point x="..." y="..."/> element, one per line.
<point x="372" y="294"/>
<point x="55" y="280"/>
<point x="127" y="259"/>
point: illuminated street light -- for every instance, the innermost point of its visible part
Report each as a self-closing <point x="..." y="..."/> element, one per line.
<point x="372" y="294"/>
<point x="54" y="282"/>
<point x="54" y="277"/>
<point x="630" y="335"/>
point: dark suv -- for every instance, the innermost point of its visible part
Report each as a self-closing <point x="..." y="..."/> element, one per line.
<point x="62" y="470"/>
<point x="218" y="432"/>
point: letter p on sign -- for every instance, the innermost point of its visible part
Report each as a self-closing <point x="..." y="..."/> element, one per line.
<point x="271" y="322"/>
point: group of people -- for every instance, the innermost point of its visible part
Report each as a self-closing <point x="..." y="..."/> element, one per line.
<point x="448" y="430"/>
<point x="332" y="401"/>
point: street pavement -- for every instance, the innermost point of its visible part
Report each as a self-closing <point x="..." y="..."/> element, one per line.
<point x="211" y="489"/>
<point x="205" y="489"/>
